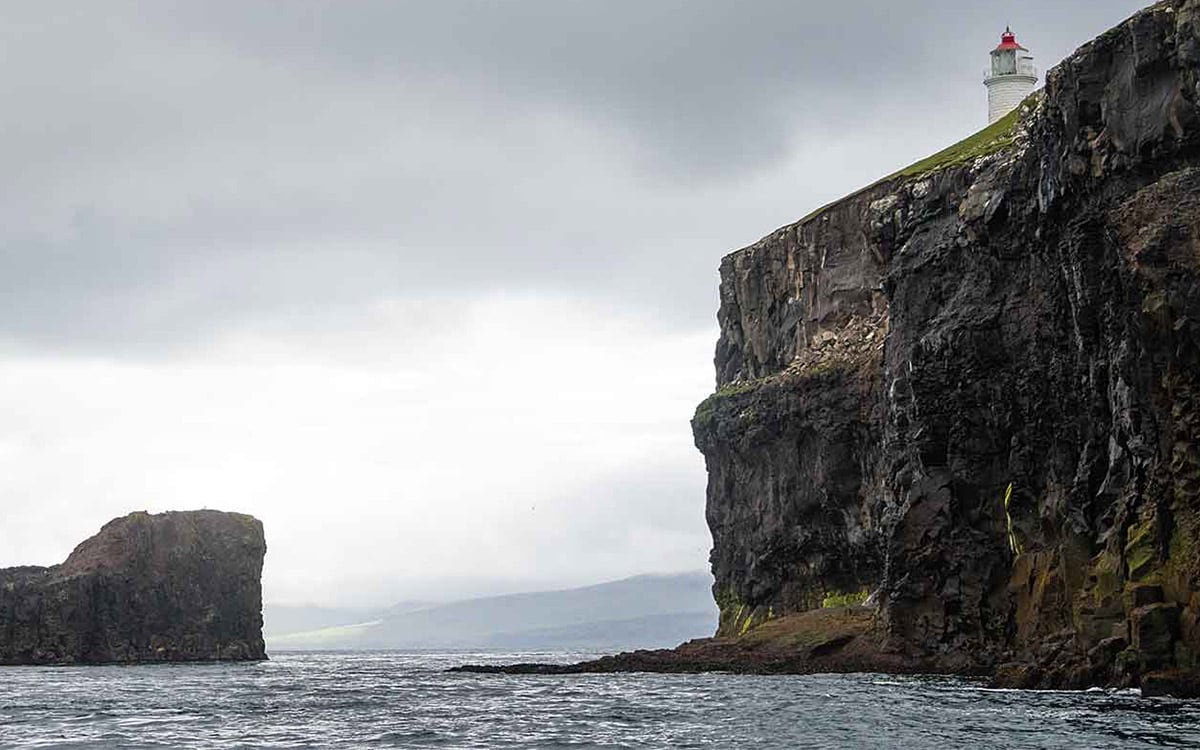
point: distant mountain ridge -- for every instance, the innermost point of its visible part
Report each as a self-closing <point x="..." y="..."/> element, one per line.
<point x="287" y="619"/>
<point x="639" y="612"/>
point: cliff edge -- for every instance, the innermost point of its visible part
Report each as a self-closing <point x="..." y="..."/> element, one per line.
<point x="180" y="586"/>
<point x="957" y="419"/>
<point x="971" y="392"/>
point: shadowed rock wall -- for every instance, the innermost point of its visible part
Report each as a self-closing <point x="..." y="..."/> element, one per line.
<point x="973" y="389"/>
<point x="166" y="587"/>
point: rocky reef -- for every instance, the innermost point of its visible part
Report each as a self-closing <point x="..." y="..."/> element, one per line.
<point x="962" y="406"/>
<point x="167" y="587"/>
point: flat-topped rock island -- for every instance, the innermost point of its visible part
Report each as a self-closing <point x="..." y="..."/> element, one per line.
<point x="168" y="587"/>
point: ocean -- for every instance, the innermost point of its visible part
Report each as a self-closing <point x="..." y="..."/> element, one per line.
<point x="403" y="700"/>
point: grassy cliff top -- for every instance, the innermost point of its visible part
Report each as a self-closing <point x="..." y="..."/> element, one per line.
<point x="995" y="137"/>
<point x="999" y="135"/>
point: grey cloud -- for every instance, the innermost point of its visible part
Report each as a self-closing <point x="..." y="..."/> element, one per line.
<point x="176" y="167"/>
<point x="696" y="78"/>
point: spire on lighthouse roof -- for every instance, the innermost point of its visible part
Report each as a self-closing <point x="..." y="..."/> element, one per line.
<point x="1008" y="40"/>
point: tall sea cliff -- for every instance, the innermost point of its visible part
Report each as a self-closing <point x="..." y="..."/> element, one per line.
<point x="968" y="396"/>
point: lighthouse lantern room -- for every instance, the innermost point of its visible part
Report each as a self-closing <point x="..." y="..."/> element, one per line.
<point x="1011" y="78"/>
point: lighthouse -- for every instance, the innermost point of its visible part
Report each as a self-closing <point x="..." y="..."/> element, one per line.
<point x="1011" y="77"/>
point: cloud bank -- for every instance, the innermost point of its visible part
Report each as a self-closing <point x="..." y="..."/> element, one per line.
<point x="428" y="286"/>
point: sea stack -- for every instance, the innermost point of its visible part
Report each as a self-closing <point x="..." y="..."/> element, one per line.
<point x="169" y="587"/>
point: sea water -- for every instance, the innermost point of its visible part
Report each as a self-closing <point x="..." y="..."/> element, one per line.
<point x="397" y="699"/>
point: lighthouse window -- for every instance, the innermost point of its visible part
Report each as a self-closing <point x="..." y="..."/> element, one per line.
<point x="1004" y="63"/>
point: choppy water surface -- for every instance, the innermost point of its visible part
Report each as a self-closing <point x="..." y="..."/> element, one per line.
<point x="379" y="699"/>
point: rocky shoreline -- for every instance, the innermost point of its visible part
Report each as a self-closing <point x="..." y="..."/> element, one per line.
<point x="822" y="641"/>
<point x="835" y="641"/>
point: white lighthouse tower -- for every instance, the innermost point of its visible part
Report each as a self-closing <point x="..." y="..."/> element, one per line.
<point x="1011" y="77"/>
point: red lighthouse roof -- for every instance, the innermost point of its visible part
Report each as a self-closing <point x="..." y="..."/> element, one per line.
<point x="1008" y="40"/>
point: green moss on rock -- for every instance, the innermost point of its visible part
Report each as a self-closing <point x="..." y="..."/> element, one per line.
<point x="1141" y="550"/>
<point x="707" y="408"/>
<point x="844" y="598"/>
<point x="1106" y="570"/>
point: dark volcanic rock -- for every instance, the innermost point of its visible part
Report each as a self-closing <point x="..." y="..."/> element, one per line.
<point x="838" y="639"/>
<point x="1176" y="683"/>
<point x="974" y="388"/>
<point x="166" y="587"/>
<point x="1155" y="628"/>
<point x="972" y="391"/>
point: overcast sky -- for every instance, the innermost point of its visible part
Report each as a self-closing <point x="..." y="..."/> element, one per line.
<point x="428" y="287"/>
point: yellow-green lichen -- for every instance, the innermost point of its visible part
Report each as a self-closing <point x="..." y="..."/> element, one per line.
<point x="736" y="617"/>
<point x="1106" y="570"/>
<point x="733" y="612"/>
<point x="746" y="625"/>
<point x="811" y="629"/>
<point x="754" y="618"/>
<point x="1179" y="571"/>
<point x="844" y="598"/>
<point x="1013" y="543"/>
<point x="1183" y="546"/>
<point x="726" y="597"/>
<point x="1141" y="550"/>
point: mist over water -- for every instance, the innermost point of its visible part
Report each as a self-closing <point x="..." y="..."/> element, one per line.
<point x="394" y="699"/>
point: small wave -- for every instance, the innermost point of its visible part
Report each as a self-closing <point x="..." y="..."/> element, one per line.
<point x="351" y="700"/>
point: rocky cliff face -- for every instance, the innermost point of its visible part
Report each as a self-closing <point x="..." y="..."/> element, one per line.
<point x="167" y="587"/>
<point x="972" y="390"/>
